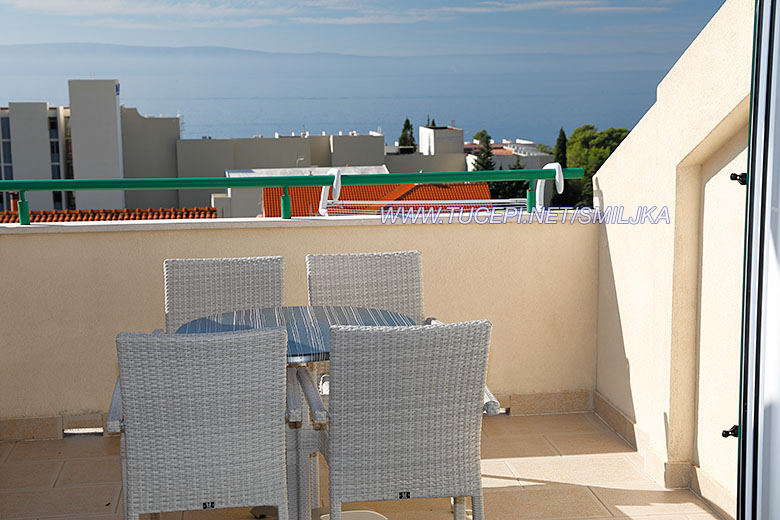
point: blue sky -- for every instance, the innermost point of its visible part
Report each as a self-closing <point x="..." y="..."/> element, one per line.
<point x="367" y="27"/>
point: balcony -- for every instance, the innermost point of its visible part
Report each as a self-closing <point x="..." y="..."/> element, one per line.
<point x="565" y="450"/>
<point x="615" y="347"/>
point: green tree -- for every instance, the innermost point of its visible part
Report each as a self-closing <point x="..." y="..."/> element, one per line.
<point x="559" y="154"/>
<point x="407" y="134"/>
<point x="433" y="122"/>
<point x="587" y="148"/>
<point x="484" y="154"/>
<point x="544" y="148"/>
<point x="509" y="189"/>
<point x="479" y="135"/>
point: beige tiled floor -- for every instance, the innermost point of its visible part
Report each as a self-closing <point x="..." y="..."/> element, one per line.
<point x="545" y="467"/>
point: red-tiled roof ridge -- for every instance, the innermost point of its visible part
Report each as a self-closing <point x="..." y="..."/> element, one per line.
<point x="305" y="199"/>
<point x="85" y="215"/>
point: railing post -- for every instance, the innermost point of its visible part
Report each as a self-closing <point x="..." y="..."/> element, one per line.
<point x="23" y="210"/>
<point x="530" y="199"/>
<point x="286" y="204"/>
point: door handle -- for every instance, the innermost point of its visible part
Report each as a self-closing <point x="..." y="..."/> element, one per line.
<point x="739" y="177"/>
<point x="731" y="432"/>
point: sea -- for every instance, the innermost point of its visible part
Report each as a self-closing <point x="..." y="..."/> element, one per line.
<point x="227" y="93"/>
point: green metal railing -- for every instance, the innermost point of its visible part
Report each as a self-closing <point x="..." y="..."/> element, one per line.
<point x="284" y="182"/>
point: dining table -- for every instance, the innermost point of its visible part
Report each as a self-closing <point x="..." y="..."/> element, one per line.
<point x="308" y="341"/>
<point x="308" y="326"/>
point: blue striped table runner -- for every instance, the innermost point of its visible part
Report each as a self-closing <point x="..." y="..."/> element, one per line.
<point x="307" y="327"/>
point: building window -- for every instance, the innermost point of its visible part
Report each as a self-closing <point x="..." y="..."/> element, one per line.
<point x="5" y="128"/>
<point x="7" y="152"/>
<point x="56" y="198"/>
<point x="55" y="171"/>
<point x="53" y="130"/>
<point x="8" y="172"/>
<point x="55" y="151"/>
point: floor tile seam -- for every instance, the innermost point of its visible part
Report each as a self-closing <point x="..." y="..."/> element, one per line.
<point x="601" y="502"/>
<point x="64" y="459"/>
<point x="50" y="489"/>
<point x="7" y="455"/>
<point x="59" y="474"/>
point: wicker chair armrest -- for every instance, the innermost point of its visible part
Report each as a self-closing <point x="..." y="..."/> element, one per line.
<point x="433" y="321"/>
<point x="114" y="422"/>
<point x="293" y="414"/>
<point x="491" y="406"/>
<point x="319" y="415"/>
<point x="158" y="331"/>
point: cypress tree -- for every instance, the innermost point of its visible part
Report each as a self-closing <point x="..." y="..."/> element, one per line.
<point x="560" y="149"/>
<point x="484" y="154"/>
<point x="407" y="135"/>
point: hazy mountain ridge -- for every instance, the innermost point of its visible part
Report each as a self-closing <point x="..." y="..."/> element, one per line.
<point x="19" y="54"/>
<point x="225" y="92"/>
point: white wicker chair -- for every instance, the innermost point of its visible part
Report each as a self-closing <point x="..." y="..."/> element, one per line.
<point x="405" y="420"/>
<point x="197" y="287"/>
<point x="390" y="281"/>
<point x="200" y="429"/>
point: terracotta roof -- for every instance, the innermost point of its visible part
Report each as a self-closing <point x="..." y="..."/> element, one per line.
<point x="306" y="199"/>
<point x="503" y="151"/>
<point x="8" y="217"/>
<point x="496" y="148"/>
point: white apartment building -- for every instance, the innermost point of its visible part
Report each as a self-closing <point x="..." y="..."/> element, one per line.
<point x="96" y="138"/>
<point x="35" y="144"/>
<point x="82" y="141"/>
<point x="507" y="153"/>
<point x="96" y="135"/>
<point x="440" y="139"/>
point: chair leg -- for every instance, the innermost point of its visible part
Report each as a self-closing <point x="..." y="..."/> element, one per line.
<point x="314" y="469"/>
<point x="123" y="460"/>
<point x="292" y="472"/>
<point x="477" y="507"/>
<point x="283" y="512"/>
<point x="335" y="510"/>
<point x="304" y="482"/>
<point x="460" y="508"/>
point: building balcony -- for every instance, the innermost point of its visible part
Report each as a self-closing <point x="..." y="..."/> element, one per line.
<point x="564" y="450"/>
<point x="615" y="346"/>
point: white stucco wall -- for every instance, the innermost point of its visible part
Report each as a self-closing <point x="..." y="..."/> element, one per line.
<point x="653" y="322"/>
<point x="96" y="134"/>
<point x="30" y="152"/>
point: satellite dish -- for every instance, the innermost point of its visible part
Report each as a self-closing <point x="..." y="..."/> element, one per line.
<point x="558" y="175"/>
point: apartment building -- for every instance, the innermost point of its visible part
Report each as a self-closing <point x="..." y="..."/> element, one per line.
<point x="82" y="141"/>
<point x="35" y="143"/>
<point x="507" y="153"/>
<point x="97" y="137"/>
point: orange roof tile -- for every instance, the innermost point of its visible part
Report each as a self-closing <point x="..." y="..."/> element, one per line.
<point x="306" y="199"/>
<point x="83" y="215"/>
